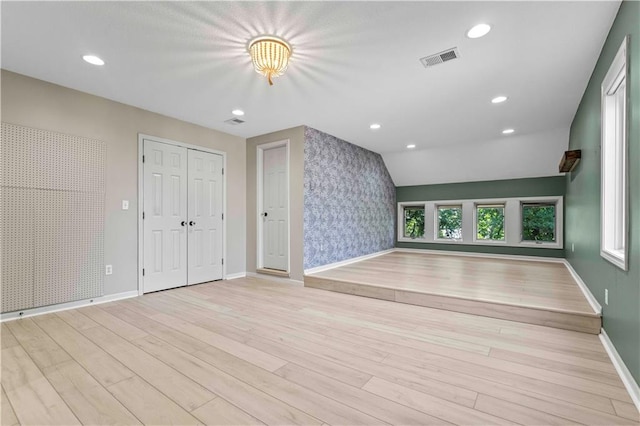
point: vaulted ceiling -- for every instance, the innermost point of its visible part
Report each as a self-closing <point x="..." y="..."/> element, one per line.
<point x="353" y="64"/>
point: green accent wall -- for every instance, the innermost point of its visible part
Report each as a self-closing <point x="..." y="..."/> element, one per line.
<point x="508" y="188"/>
<point x="621" y="318"/>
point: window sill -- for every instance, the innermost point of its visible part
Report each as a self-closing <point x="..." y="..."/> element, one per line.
<point x="555" y="246"/>
<point x="615" y="257"/>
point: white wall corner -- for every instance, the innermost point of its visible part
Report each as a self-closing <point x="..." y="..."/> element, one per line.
<point x="66" y="306"/>
<point x="629" y="382"/>
<point x="585" y="290"/>
<point x="346" y="262"/>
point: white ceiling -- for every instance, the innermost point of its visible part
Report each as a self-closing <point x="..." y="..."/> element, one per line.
<point x="354" y="63"/>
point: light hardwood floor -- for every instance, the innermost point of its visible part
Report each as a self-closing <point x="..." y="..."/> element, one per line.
<point x="250" y="351"/>
<point x="542" y="293"/>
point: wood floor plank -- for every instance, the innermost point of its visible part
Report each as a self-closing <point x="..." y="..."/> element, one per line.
<point x="118" y="326"/>
<point x="184" y="391"/>
<point x="431" y="405"/>
<point x="253" y="351"/>
<point x="149" y="405"/>
<point x="310" y="402"/>
<point x="382" y="408"/>
<point x="7" y="415"/>
<point x="255" y="402"/>
<point x="626" y="410"/>
<point x="40" y="347"/>
<point x="87" y="398"/>
<point x="104" y="368"/>
<point x="517" y="413"/>
<point x="31" y="395"/>
<point x="7" y="339"/>
<point x="219" y="412"/>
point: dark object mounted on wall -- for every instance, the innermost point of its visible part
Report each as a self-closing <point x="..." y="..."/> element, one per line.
<point x="570" y="160"/>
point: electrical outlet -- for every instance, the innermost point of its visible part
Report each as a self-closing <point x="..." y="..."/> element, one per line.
<point x="573" y="247"/>
<point x="108" y="270"/>
<point x="606" y="296"/>
<point x="125" y="204"/>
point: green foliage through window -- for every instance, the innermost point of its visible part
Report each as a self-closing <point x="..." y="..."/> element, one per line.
<point x="414" y="222"/>
<point x="538" y="222"/>
<point x="490" y="222"/>
<point x="450" y="222"/>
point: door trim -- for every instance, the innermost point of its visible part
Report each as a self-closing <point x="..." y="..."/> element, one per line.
<point x="259" y="187"/>
<point x="141" y="139"/>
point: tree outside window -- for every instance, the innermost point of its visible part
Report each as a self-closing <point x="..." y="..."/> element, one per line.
<point x="490" y="222"/>
<point x="450" y="222"/>
<point x="414" y="221"/>
<point x="538" y="222"/>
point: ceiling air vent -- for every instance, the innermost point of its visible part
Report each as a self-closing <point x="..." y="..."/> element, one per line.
<point x="439" y="58"/>
<point x="234" y="121"/>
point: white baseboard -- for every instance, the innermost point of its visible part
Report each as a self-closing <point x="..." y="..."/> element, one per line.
<point x="273" y="278"/>
<point x="483" y="255"/>
<point x="236" y="276"/>
<point x="585" y="290"/>
<point x="629" y="382"/>
<point x="65" y="306"/>
<point x="346" y="262"/>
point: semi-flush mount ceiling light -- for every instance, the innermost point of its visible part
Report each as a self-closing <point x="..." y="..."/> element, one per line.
<point x="507" y="131"/>
<point x="411" y="146"/>
<point x="498" y="99"/>
<point x="375" y="126"/>
<point x="270" y="56"/>
<point x="237" y="112"/>
<point x="93" y="60"/>
<point x="479" y="30"/>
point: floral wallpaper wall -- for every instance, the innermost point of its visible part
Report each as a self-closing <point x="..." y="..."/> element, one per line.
<point x="349" y="201"/>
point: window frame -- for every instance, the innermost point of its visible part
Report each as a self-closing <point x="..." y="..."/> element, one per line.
<point x="436" y="223"/>
<point x="512" y="222"/>
<point x="401" y="228"/>
<point x="614" y="184"/>
<point x="538" y="204"/>
<point x="503" y="206"/>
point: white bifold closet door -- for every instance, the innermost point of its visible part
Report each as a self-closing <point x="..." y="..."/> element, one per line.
<point x="182" y="216"/>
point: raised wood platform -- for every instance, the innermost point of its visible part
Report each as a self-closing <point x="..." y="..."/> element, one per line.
<point x="534" y="292"/>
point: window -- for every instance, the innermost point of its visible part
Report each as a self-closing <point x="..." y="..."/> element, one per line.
<point x="450" y="222"/>
<point x="413" y="221"/>
<point x="533" y="222"/>
<point x="614" y="207"/>
<point x="490" y="222"/>
<point x="539" y="222"/>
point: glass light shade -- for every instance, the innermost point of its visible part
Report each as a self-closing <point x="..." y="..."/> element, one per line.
<point x="270" y="56"/>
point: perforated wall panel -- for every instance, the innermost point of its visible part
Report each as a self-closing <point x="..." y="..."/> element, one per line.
<point x="52" y="217"/>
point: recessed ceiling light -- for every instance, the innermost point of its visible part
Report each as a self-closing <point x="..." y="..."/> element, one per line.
<point x="411" y="146"/>
<point x="237" y="112"/>
<point x="498" y="99"/>
<point x="93" y="60"/>
<point x="375" y="126"/>
<point x="507" y="131"/>
<point x="479" y="31"/>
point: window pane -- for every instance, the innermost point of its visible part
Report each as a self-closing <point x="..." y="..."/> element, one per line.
<point x="414" y="222"/>
<point x="538" y="222"/>
<point x="450" y="222"/>
<point x="490" y="222"/>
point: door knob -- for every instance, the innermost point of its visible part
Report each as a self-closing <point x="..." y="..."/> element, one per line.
<point x="183" y="223"/>
<point x="265" y="214"/>
<point x="191" y="223"/>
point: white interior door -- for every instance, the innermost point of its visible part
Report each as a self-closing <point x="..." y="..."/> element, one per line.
<point x="275" y="202"/>
<point x="165" y="216"/>
<point x="205" y="217"/>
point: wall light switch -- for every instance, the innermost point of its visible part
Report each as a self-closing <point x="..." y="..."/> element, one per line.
<point x="606" y="296"/>
<point x="125" y="204"/>
<point x="108" y="270"/>
<point x="573" y="247"/>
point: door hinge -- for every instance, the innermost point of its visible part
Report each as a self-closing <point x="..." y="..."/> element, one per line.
<point x="223" y="170"/>
<point x="143" y="158"/>
<point x="222" y="216"/>
<point x="143" y="272"/>
<point x="223" y="261"/>
<point x="143" y="215"/>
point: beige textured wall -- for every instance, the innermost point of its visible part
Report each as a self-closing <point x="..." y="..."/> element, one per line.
<point x="35" y="103"/>
<point x="296" y="202"/>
